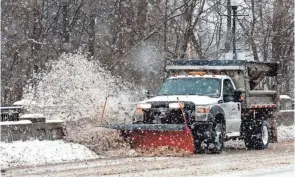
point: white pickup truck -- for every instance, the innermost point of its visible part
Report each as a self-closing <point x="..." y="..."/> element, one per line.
<point x="220" y="101"/>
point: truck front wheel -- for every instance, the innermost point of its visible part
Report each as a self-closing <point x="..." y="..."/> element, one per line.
<point x="218" y="137"/>
<point x="258" y="137"/>
<point x="210" y="140"/>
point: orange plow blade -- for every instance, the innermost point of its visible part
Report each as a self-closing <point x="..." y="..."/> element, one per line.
<point x="147" y="139"/>
<point x="149" y="136"/>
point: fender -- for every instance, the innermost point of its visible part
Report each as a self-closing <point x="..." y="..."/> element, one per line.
<point x="214" y="111"/>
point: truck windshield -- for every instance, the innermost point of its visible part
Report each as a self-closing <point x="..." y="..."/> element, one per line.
<point x="191" y="86"/>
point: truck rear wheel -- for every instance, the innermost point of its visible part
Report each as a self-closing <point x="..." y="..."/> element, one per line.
<point x="259" y="137"/>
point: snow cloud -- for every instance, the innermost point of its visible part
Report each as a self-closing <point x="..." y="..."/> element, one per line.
<point x="76" y="88"/>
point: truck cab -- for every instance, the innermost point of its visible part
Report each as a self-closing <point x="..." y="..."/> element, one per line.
<point x="219" y="100"/>
<point x="210" y="94"/>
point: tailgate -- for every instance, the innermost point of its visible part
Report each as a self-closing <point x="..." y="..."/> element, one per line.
<point x="261" y="97"/>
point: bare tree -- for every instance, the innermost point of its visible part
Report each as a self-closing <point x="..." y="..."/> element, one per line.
<point x="121" y="33"/>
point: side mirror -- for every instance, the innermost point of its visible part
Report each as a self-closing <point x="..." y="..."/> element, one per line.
<point x="228" y="97"/>
<point x="237" y="96"/>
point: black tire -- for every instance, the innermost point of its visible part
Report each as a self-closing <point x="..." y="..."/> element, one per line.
<point x="214" y="143"/>
<point x="197" y="135"/>
<point x="218" y="138"/>
<point x="258" y="138"/>
<point x="198" y="148"/>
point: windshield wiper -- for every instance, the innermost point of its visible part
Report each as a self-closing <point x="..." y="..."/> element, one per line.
<point x="213" y="95"/>
<point x="163" y="94"/>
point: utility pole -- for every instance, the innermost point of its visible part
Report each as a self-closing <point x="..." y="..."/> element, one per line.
<point x="234" y="6"/>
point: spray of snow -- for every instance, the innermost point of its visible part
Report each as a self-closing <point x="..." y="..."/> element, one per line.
<point x="76" y="88"/>
<point x="147" y="58"/>
<point x="42" y="152"/>
<point x="148" y="61"/>
<point x="97" y="139"/>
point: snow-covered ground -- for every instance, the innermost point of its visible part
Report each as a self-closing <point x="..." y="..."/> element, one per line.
<point x="286" y="133"/>
<point x="277" y="160"/>
<point x="42" y="152"/>
<point x="284" y="171"/>
<point x="51" y="152"/>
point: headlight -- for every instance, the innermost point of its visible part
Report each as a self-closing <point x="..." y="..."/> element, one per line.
<point x="202" y="110"/>
<point x="138" y="115"/>
<point x="201" y="117"/>
<point x="201" y="113"/>
<point x="176" y="105"/>
<point x="144" y="106"/>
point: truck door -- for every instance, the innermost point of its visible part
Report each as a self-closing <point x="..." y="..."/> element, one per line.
<point x="232" y="109"/>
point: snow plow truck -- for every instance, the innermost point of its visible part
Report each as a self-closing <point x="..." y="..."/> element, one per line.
<point x="203" y="103"/>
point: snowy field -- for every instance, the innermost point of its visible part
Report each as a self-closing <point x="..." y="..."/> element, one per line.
<point x="42" y="152"/>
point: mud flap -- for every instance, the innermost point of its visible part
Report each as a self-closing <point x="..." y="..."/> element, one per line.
<point x="146" y="136"/>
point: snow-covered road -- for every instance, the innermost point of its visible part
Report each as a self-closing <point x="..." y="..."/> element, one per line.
<point x="280" y="171"/>
<point x="234" y="161"/>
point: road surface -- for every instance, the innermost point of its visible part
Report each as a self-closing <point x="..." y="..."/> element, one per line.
<point x="277" y="160"/>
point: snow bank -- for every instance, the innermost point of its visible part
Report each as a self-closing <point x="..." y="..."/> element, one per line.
<point x="24" y="102"/>
<point x="284" y="97"/>
<point x="25" y="116"/>
<point x="76" y="88"/>
<point x="15" y="122"/>
<point x="42" y="152"/>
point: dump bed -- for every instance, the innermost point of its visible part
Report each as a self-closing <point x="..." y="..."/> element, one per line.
<point x="246" y="74"/>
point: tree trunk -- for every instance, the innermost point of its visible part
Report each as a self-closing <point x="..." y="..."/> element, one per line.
<point x="252" y="41"/>
<point x="65" y="22"/>
<point x="228" y="30"/>
<point x="91" y="42"/>
<point x="188" y="15"/>
<point x="141" y="19"/>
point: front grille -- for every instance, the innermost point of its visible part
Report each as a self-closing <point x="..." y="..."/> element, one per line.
<point x="160" y="104"/>
<point x="168" y="116"/>
<point x="160" y="113"/>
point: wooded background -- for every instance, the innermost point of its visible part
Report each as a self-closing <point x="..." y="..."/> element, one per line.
<point x="132" y="38"/>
